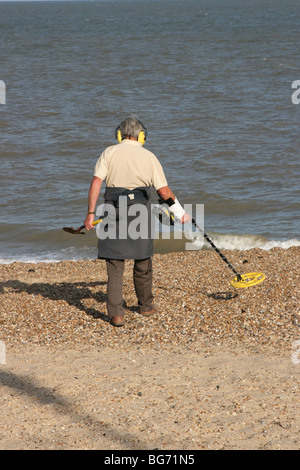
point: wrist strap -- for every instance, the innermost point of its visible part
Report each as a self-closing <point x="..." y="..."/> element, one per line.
<point x="177" y="209"/>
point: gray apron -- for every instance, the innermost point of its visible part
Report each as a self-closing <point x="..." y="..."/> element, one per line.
<point x="126" y="237"/>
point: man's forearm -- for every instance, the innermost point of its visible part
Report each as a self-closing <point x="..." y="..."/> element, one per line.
<point x="94" y="193"/>
<point x="166" y="193"/>
<point x="93" y="197"/>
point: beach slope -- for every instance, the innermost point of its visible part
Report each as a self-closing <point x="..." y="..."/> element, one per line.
<point x="214" y="368"/>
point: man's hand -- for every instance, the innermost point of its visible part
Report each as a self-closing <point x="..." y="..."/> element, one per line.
<point x="185" y="218"/>
<point x="89" y="221"/>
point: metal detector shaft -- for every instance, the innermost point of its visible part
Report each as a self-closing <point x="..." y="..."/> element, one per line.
<point x="217" y="250"/>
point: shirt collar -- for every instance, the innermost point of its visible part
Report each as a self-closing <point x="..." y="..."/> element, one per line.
<point x="131" y="142"/>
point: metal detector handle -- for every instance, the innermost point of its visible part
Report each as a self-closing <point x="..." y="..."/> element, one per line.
<point x="77" y="231"/>
<point x="239" y="277"/>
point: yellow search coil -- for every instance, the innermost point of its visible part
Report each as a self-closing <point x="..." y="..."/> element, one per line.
<point x="248" y="280"/>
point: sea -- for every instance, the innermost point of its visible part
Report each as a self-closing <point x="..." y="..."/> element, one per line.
<point x="216" y="83"/>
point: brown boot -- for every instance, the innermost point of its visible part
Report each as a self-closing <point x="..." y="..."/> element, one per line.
<point x="149" y="313"/>
<point x="118" y="320"/>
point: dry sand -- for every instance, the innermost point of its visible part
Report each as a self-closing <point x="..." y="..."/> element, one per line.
<point x="205" y="372"/>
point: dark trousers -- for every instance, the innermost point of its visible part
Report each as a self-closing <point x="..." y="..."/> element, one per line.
<point x="142" y="278"/>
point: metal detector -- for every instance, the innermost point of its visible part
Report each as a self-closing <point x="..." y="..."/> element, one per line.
<point x="241" y="280"/>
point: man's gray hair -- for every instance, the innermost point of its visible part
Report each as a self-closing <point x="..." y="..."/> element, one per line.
<point x="131" y="127"/>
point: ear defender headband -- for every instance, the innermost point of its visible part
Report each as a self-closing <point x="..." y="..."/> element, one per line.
<point x="141" y="137"/>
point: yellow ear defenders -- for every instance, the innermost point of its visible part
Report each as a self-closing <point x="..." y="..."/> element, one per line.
<point x="141" y="137"/>
<point x="118" y="135"/>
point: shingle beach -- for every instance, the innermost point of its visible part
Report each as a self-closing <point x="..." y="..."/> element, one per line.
<point x="215" y="368"/>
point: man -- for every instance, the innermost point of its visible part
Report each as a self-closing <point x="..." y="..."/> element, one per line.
<point x="129" y="171"/>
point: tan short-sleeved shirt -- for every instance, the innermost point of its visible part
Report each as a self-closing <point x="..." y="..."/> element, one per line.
<point x="129" y="165"/>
